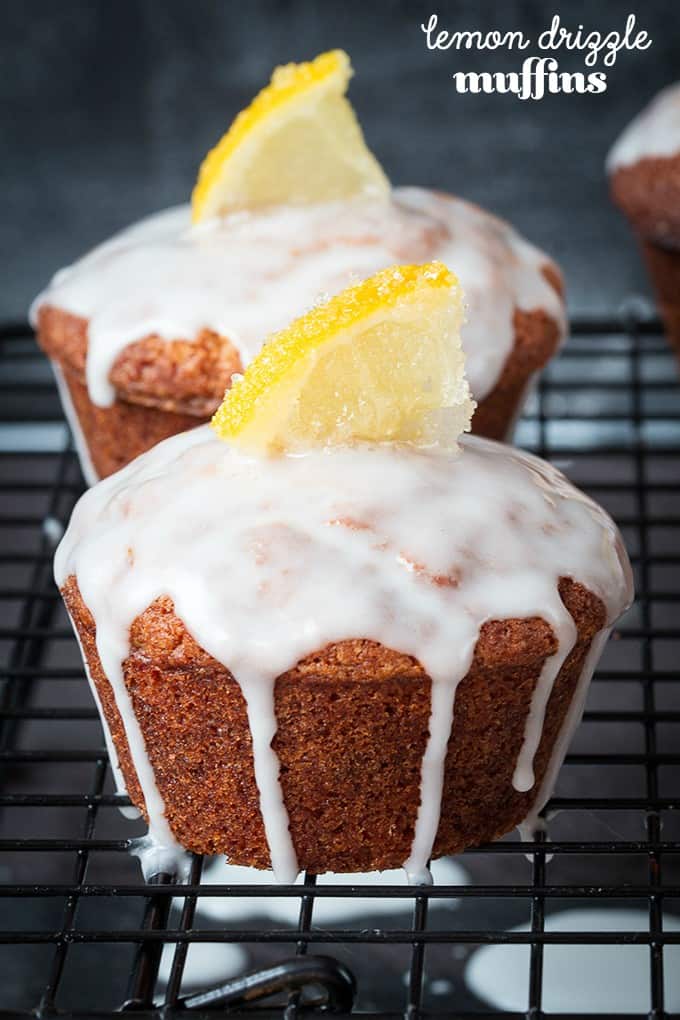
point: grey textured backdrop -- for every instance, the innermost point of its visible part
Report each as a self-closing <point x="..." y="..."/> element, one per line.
<point x="108" y="107"/>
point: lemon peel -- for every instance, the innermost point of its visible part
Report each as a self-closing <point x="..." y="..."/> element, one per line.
<point x="381" y="361"/>
<point x="298" y="142"/>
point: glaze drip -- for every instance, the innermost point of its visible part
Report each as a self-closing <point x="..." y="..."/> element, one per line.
<point x="240" y="544"/>
<point x="82" y="449"/>
<point x="249" y="274"/>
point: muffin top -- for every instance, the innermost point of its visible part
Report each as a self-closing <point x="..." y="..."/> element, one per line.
<point x="247" y="274"/>
<point x="655" y="132"/>
<point x="269" y="559"/>
<point x="421" y="534"/>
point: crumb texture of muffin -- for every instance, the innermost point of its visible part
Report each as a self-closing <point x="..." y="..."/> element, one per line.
<point x="352" y="726"/>
<point x="164" y="314"/>
<point x="299" y="671"/>
<point x="644" y="177"/>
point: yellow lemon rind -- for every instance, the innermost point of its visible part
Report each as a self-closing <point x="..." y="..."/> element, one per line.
<point x="290" y="353"/>
<point x="288" y="83"/>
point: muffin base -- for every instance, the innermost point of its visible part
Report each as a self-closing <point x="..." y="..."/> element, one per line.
<point x="88" y="470"/>
<point x="648" y="194"/>
<point x="148" y="409"/>
<point x="663" y="265"/>
<point x="110" y="437"/>
<point x="352" y="729"/>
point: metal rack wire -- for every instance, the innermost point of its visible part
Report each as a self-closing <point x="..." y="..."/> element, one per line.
<point x="81" y="935"/>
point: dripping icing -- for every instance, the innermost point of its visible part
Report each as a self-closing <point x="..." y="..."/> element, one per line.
<point x="250" y="274"/>
<point x="87" y="467"/>
<point x="114" y="764"/>
<point x="249" y="539"/>
<point x="532" y="822"/>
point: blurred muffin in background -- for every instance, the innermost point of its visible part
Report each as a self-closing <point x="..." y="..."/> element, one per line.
<point x="644" y="176"/>
<point x="290" y="207"/>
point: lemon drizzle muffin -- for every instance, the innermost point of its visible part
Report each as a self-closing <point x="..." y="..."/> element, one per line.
<point x="342" y="657"/>
<point x="644" y="176"/>
<point x="148" y="330"/>
<point x="272" y="640"/>
<point x="347" y="656"/>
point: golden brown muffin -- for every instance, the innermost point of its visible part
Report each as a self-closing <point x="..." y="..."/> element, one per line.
<point x="352" y="726"/>
<point x="163" y="388"/>
<point x="644" y="179"/>
<point x="648" y="193"/>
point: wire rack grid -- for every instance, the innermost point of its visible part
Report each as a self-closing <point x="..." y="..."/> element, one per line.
<point x="81" y="934"/>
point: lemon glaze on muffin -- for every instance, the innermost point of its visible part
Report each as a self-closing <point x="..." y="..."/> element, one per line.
<point x="290" y="207"/>
<point x="644" y="177"/>
<point x="226" y="570"/>
<point x="244" y="276"/>
<point x="338" y="636"/>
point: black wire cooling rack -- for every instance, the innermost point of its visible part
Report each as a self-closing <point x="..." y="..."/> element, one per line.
<point x="83" y="936"/>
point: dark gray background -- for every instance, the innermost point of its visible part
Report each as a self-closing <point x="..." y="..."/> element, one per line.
<point x="108" y="107"/>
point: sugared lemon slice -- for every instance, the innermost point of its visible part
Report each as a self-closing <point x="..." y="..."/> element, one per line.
<point x="298" y="142"/>
<point x="381" y="361"/>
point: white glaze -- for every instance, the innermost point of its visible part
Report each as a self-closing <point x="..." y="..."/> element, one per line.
<point x="249" y="274"/>
<point x="158" y="857"/>
<point x="240" y="544"/>
<point x="82" y="449"/>
<point x="654" y="132"/>
<point x="532" y="823"/>
<point x="114" y="764"/>
<point x="91" y="477"/>
<point x="611" y="980"/>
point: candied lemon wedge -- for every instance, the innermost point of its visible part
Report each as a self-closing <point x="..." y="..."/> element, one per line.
<point x="380" y="362"/>
<point x="298" y="142"/>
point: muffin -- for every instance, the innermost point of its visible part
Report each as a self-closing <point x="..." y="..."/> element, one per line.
<point x="644" y="176"/>
<point x="352" y="655"/>
<point x="217" y="616"/>
<point x="148" y="330"/>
